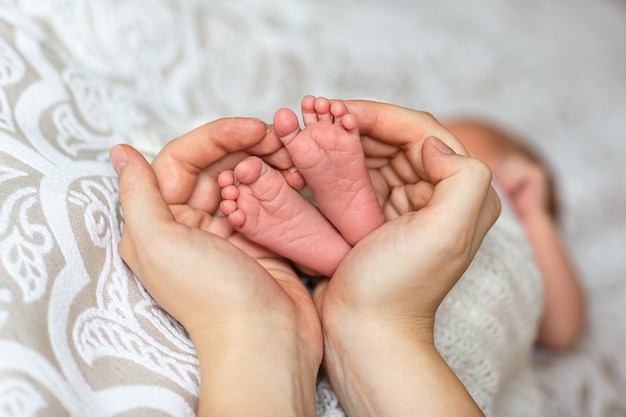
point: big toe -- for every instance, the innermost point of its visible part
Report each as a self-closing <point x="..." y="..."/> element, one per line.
<point x="286" y="124"/>
<point x="249" y="170"/>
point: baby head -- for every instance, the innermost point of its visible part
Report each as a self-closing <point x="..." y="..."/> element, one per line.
<point x="493" y="146"/>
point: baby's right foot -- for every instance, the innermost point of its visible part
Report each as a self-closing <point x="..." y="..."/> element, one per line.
<point x="329" y="155"/>
<point x="260" y="204"/>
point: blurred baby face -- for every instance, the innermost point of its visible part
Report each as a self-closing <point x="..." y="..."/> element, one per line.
<point x="494" y="147"/>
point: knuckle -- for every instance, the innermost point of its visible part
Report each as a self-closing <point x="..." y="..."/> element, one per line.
<point x="429" y="118"/>
<point x="480" y="171"/>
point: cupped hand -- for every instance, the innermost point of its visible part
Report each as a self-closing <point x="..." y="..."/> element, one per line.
<point x="378" y="309"/>
<point x="254" y="324"/>
<point x="405" y="268"/>
<point x="392" y="137"/>
<point x="196" y="274"/>
<point x="187" y="167"/>
<point x="193" y="263"/>
<point x="405" y="175"/>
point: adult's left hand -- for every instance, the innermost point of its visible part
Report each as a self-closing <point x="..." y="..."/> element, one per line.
<point x="187" y="167"/>
<point x="186" y="173"/>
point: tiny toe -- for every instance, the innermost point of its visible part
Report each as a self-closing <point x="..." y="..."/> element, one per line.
<point x="338" y="108"/>
<point x="226" y="178"/>
<point x="322" y="108"/>
<point x="309" y="115"/>
<point x="295" y="179"/>
<point x="227" y="207"/>
<point x="350" y="123"/>
<point x="230" y="192"/>
<point x="249" y="170"/>
<point x="237" y="218"/>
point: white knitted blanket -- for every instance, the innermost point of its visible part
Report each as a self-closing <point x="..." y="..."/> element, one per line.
<point x="80" y="336"/>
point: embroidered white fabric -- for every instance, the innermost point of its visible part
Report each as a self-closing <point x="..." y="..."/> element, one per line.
<point x="78" y="333"/>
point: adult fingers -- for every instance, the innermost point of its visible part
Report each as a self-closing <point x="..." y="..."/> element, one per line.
<point x="142" y="205"/>
<point x="399" y="126"/>
<point x="462" y="195"/>
<point x="180" y="162"/>
<point x="411" y="197"/>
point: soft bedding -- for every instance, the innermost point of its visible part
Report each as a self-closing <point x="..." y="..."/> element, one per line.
<point x="78" y="333"/>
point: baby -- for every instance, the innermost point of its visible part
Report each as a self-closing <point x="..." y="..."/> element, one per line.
<point x="526" y="183"/>
<point x="259" y="203"/>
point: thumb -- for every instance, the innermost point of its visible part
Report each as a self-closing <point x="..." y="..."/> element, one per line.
<point x="463" y="188"/>
<point x="143" y="207"/>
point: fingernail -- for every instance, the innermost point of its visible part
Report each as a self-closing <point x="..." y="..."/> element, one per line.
<point x="119" y="158"/>
<point x="441" y="146"/>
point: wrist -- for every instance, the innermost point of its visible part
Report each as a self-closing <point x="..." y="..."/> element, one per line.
<point x="380" y="370"/>
<point x="253" y="371"/>
<point x="368" y="360"/>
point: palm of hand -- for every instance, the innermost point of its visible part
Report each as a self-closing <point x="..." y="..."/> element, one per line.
<point x="260" y="292"/>
<point x="399" y="188"/>
<point x="187" y="169"/>
<point x="356" y="283"/>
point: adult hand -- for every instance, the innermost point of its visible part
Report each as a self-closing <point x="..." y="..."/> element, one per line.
<point x="380" y="305"/>
<point x="245" y="310"/>
<point x="186" y="170"/>
<point x="187" y="167"/>
<point x="414" y="260"/>
<point x="392" y="136"/>
<point x="456" y="205"/>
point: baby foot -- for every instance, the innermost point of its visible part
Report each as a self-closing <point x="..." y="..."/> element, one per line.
<point x="329" y="155"/>
<point x="259" y="203"/>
